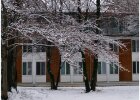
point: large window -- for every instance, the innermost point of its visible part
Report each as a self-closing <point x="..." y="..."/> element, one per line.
<point x="135" y="45"/>
<point x="135" y="67"/>
<point x="27" y="68"/>
<point x="101" y="68"/>
<point x="113" y="68"/>
<point x="65" y="68"/>
<point x="40" y="68"/>
<point x="79" y="68"/>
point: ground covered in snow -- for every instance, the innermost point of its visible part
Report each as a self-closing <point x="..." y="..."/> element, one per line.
<point x="76" y="93"/>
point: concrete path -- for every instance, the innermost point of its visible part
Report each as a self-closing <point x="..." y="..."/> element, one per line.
<point x="81" y="84"/>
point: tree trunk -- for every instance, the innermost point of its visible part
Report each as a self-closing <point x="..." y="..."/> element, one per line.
<point x="4" y="87"/>
<point x="11" y="68"/>
<point x="94" y="74"/>
<point x="85" y="73"/>
<point x="58" y="76"/>
<point x="48" y="66"/>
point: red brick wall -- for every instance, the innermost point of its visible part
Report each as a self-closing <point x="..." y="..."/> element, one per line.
<point x="125" y="57"/>
<point x="55" y="60"/>
<point x="19" y="64"/>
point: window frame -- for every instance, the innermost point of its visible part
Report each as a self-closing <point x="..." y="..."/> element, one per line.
<point x="40" y="67"/>
<point x="101" y="68"/>
<point x="65" y="68"/>
<point x="113" y="68"/>
<point x="27" y="68"/>
<point x="137" y="67"/>
<point x="40" y="49"/>
<point x="136" y="42"/>
<point x="114" y="48"/>
<point x="80" y="70"/>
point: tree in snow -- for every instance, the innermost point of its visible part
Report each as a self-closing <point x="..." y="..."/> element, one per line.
<point x="52" y="22"/>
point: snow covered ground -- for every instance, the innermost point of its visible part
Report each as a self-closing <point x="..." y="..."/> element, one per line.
<point x="76" y="93"/>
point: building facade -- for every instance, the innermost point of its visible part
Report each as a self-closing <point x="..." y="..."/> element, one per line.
<point x="31" y="65"/>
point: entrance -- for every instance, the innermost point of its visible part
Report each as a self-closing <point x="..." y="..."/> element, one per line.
<point x="33" y="72"/>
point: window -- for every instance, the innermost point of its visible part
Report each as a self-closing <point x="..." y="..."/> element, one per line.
<point x="65" y="68"/>
<point x="27" y="48"/>
<point x="40" y="68"/>
<point x="79" y="68"/>
<point x="135" y="67"/>
<point x="113" y="47"/>
<point x="101" y="68"/>
<point x="113" y="68"/>
<point x="27" y="68"/>
<point x="41" y="49"/>
<point x="135" y="45"/>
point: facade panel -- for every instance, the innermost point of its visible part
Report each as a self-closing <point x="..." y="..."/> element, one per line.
<point x="125" y="57"/>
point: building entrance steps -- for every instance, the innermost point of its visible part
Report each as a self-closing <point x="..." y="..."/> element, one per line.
<point x="80" y="84"/>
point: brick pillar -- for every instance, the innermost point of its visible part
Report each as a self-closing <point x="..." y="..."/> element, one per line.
<point x="55" y="60"/>
<point x="125" y="57"/>
<point x="19" y="64"/>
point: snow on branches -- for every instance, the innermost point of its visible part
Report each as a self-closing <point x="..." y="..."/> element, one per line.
<point x="66" y="34"/>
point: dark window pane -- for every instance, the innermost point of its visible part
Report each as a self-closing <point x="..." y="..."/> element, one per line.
<point x="25" y="48"/>
<point x="111" y="47"/>
<point x="43" y="49"/>
<point x="42" y="68"/>
<point x="63" y="68"/>
<point x="116" y="69"/>
<point x="137" y="67"/>
<point x="29" y="48"/>
<point x="111" y="68"/>
<point x="24" y="68"/>
<point x="81" y="64"/>
<point x="134" y="67"/>
<point x="81" y="68"/>
<point x="38" y="68"/>
<point x="137" y="45"/>
<point x="75" y="70"/>
<point x="38" y="48"/>
<point x="29" y="68"/>
<point x="67" y="68"/>
<point x="99" y="67"/>
<point x="115" y="48"/>
<point x="133" y="46"/>
<point x="103" y="68"/>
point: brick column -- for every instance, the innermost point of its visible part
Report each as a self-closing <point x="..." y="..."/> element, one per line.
<point x="125" y="57"/>
<point x="19" y="64"/>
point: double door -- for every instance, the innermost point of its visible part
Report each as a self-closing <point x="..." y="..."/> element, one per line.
<point x="33" y="71"/>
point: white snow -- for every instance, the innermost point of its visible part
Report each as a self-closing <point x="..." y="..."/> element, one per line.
<point x="75" y="93"/>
